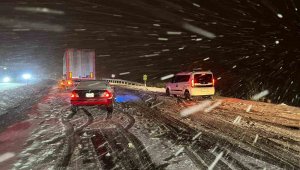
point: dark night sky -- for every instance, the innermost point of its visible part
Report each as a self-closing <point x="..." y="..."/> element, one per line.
<point x="256" y="44"/>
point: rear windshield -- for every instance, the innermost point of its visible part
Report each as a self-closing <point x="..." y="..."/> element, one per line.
<point x="203" y="78"/>
<point x="92" y="85"/>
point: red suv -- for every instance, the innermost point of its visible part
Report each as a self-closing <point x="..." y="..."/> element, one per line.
<point x="93" y="93"/>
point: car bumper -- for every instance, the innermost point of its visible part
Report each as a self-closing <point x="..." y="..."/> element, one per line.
<point x="203" y="91"/>
<point x="106" y="102"/>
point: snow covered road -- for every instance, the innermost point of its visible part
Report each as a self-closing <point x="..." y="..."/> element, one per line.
<point x="147" y="131"/>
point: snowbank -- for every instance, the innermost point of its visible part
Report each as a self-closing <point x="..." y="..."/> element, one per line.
<point x="13" y="98"/>
<point x="7" y="86"/>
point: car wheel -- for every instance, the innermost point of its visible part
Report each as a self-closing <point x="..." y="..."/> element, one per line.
<point x="168" y="92"/>
<point x="110" y="109"/>
<point x="74" y="109"/>
<point x="187" y="95"/>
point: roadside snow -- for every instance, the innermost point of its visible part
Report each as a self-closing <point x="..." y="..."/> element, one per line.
<point x="8" y="86"/>
<point x="15" y="97"/>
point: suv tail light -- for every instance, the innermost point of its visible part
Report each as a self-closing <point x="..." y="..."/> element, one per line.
<point x="213" y="81"/>
<point x="74" y="95"/>
<point x="106" y="94"/>
<point x="192" y="83"/>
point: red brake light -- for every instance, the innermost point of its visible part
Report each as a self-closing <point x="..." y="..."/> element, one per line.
<point x="213" y="81"/>
<point x="74" y="95"/>
<point x="106" y="94"/>
<point x="192" y="83"/>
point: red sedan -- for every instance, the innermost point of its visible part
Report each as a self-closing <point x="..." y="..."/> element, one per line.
<point x="93" y="93"/>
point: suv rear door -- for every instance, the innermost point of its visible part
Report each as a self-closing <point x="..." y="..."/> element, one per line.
<point x="203" y="80"/>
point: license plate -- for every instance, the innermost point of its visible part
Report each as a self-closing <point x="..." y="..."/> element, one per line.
<point x="89" y="95"/>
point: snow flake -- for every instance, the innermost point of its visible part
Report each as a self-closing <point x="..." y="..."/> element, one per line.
<point x="179" y="151"/>
<point x="260" y="95"/>
<point x="197" y="135"/>
<point x="162" y="39"/>
<point x="167" y="77"/>
<point x="255" y="140"/>
<point x="6" y="156"/>
<point x="213" y="164"/>
<point x="156" y="104"/>
<point x="206" y="59"/>
<point x="174" y="33"/>
<point x="237" y="120"/>
<point x="124" y="73"/>
<point x="216" y="104"/>
<point x="279" y="15"/>
<point x="249" y="108"/>
<point x="196" y="5"/>
<point x="197" y="108"/>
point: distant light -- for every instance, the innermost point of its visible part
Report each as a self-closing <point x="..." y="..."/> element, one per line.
<point x="4" y="68"/>
<point x="113" y="76"/>
<point x="26" y="76"/>
<point x="279" y="15"/>
<point x="276" y="42"/>
<point x="6" y="79"/>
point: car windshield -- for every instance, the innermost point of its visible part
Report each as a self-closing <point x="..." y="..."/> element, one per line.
<point x="149" y="84"/>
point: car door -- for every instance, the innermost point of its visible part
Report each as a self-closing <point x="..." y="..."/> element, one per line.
<point x="182" y="84"/>
<point x="174" y="85"/>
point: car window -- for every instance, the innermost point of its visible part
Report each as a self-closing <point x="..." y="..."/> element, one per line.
<point x="182" y="78"/>
<point x="92" y="85"/>
<point x="203" y="78"/>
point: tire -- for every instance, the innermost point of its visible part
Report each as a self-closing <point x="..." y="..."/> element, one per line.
<point x="187" y="95"/>
<point x="74" y="109"/>
<point x="110" y="109"/>
<point x="168" y="92"/>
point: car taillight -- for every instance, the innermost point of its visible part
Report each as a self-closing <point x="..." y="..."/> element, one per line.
<point x="106" y="94"/>
<point x="213" y="81"/>
<point x="70" y="83"/>
<point x="74" y="95"/>
<point x="192" y="83"/>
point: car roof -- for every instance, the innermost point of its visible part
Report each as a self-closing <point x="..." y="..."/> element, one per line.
<point x="92" y="85"/>
<point x="194" y="72"/>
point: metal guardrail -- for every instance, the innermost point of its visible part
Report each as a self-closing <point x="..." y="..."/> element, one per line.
<point x="122" y="82"/>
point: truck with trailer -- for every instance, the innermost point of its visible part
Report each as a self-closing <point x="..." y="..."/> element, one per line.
<point x="78" y="65"/>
